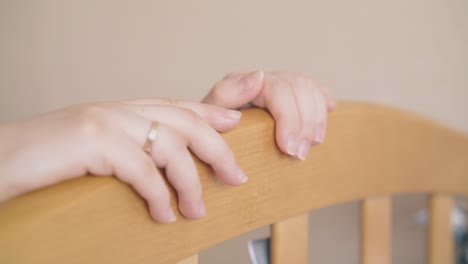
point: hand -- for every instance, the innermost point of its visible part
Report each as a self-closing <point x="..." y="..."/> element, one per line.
<point x="108" y="139"/>
<point x="298" y="105"/>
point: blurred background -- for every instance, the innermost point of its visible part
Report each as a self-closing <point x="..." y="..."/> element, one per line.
<point x="408" y="54"/>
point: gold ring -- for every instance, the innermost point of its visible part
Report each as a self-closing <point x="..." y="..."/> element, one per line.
<point x="152" y="134"/>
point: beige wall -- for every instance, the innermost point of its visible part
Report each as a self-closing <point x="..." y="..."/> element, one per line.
<point x="411" y="54"/>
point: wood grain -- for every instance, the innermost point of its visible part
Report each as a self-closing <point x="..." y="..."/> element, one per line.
<point x="290" y="240"/>
<point x="441" y="248"/>
<point x="376" y="230"/>
<point x="370" y="151"/>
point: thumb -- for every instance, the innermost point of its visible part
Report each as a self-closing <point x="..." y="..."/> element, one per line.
<point x="235" y="92"/>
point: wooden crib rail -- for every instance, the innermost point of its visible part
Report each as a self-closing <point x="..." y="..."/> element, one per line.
<point x="371" y="151"/>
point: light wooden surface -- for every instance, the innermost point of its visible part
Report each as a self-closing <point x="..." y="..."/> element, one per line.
<point x="376" y="230"/>
<point x="370" y="151"/>
<point x="441" y="248"/>
<point x="290" y="240"/>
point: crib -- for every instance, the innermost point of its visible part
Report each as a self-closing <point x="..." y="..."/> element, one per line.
<point x="371" y="153"/>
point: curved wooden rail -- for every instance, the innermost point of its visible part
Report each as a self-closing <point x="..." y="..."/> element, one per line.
<point x="371" y="151"/>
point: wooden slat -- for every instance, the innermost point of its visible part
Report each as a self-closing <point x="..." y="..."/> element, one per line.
<point x="441" y="241"/>
<point x="289" y="240"/>
<point x="376" y="231"/>
<point x="191" y="260"/>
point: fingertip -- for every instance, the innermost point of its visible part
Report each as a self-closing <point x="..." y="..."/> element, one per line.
<point x="331" y="102"/>
<point x="166" y="216"/>
<point x="331" y="105"/>
<point x="291" y="144"/>
<point x="225" y="124"/>
<point x="320" y="132"/>
<point x="303" y="150"/>
<point x="223" y="120"/>
<point x="252" y="81"/>
<point x="234" y="93"/>
<point x="242" y="176"/>
<point x="233" y="115"/>
<point x="245" y="180"/>
<point x="235" y="178"/>
<point x="191" y="209"/>
<point x="170" y="215"/>
<point x="286" y="141"/>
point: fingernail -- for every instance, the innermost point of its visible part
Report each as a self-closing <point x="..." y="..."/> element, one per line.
<point x="170" y="215"/>
<point x="202" y="209"/>
<point x="242" y="176"/>
<point x="291" y="141"/>
<point x="232" y="114"/>
<point x="304" y="148"/>
<point x="319" y="135"/>
<point x="252" y="80"/>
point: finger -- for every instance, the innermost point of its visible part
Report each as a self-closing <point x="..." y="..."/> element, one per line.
<point x="312" y="109"/>
<point x="211" y="148"/>
<point x="202" y="139"/>
<point x="133" y="166"/>
<point x="219" y="118"/>
<point x="170" y="152"/>
<point x="236" y="91"/>
<point x="278" y="98"/>
<point x="308" y="111"/>
<point x="330" y="101"/>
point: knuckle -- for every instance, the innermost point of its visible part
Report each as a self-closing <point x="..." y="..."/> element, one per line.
<point x="90" y="122"/>
<point x="147" y="169"/>
<point x="190" y="190"/>
<point x="217" y="91"/>
<point x="302" y="79"/>
<point x="191" y="117"/>
<point x="279" y="84"/>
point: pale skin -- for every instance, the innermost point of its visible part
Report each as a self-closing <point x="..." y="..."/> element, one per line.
<point x="107" y="139"/>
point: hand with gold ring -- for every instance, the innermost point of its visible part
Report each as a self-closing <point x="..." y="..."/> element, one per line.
<point x="109" y="139"/>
